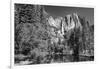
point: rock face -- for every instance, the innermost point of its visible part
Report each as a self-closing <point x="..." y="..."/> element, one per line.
<point x="61" y="25"/>
<point x="43" y="39"/>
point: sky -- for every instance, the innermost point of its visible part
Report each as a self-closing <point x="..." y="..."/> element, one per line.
<point x="62" y="11"/>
